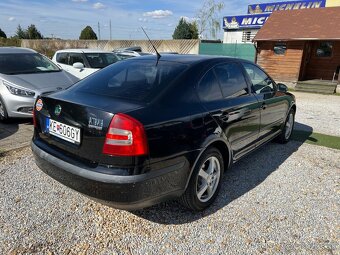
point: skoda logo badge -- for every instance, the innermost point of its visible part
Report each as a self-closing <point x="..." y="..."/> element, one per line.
<point x="57" y="110"/>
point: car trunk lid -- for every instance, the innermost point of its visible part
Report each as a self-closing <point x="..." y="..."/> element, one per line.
<point x="59" y="117"/>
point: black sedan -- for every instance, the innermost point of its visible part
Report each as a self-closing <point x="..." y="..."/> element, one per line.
<point x="146" y="130"/>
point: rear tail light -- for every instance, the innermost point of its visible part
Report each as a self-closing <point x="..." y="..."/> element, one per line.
<point x="125" y="137"/>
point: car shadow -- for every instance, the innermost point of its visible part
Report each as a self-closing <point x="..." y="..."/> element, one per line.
<point x="241" y="178"/>
<point x="11" y="126"/>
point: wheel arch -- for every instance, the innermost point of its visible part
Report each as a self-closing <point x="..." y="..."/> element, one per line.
<point x="219" y="144"/>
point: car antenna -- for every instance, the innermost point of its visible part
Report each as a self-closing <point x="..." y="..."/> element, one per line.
<point x="158" y="55"/>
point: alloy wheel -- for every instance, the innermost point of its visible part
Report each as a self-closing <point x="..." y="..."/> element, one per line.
<point x="208" y="179"/>
<point x="289" y="126"/>
<point x="2" y="110"/>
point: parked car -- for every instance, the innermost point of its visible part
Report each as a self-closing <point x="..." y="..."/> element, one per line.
<point x="146" y="130"/>
<point x="130" y="52"/>
<point x="25" y="74"/>
<point x="83" y="62"/>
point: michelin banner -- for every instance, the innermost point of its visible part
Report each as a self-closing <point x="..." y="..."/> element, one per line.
<point x="282" y="6"/>
<point x="259" y="13"/>
<point x="245" y="21"/>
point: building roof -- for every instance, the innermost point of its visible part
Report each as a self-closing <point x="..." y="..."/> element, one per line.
<point x="305" y="24"/>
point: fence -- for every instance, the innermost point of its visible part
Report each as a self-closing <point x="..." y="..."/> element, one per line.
<point x="48" y="47"/>
<point x="244" y="51"/>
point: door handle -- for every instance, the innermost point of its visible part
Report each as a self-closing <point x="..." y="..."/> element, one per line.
<point x="263" y="106"/>
<point x="223" y="116"/>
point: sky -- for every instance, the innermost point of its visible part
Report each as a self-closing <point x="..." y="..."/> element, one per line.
<point x="66" y="18"/>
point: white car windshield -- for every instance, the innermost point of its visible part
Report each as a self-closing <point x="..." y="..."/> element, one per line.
<point x="101" y="60"/>
<point x="26" y="63"/>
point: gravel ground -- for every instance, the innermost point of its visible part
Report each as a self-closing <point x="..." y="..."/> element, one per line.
<point x="318" y="112"/>
<point x="282" y="199"/>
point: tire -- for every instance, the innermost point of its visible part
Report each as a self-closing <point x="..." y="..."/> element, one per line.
<point x="3" y="111"/>
<point x="205" y="181"/>
<point x="287" y="129"/>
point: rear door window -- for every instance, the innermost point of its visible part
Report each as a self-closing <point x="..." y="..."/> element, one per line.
<point x="231" y="79"/>
<point x="208" y="88"/>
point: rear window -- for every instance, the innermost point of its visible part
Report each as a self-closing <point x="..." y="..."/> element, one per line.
<point x="137" y="80"/>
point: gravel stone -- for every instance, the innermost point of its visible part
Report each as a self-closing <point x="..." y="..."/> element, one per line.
<point x="282" y="199"/>
<point x="318" y="113"/>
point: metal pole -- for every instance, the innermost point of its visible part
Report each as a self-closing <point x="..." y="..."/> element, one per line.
<point x="110" y="31"/>
<point x="98" y="30"/>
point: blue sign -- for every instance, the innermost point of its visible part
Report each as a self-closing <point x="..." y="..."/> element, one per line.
<point x="281" y="6"/>
<point x="245" y="21"/>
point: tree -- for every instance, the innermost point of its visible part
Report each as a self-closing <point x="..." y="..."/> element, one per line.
<point x="185" y="30"/>
<point x="20" y="33"/>
<point x="88" y="34"/>
<point x="30" y="33"/>
<point x="2" y="34"/>
<point x="33" y="33"/>
<point x="208" y="19"/>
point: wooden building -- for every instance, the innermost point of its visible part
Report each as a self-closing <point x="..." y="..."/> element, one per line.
<point x="300" y="45"/>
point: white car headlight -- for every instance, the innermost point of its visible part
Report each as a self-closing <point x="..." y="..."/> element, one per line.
<point x="18" y="91"/>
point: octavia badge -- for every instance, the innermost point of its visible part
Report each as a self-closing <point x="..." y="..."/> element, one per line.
<point x="57" y="110"/>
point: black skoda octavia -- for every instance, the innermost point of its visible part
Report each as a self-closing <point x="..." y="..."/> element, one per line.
<point x="143" y="130"/>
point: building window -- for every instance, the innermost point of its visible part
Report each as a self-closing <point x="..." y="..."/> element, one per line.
<point x="324" y="49"/>
<point x="280" y="48"/>
<point x="247" y="36"/>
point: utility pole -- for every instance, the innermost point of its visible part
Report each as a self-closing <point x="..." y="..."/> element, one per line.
<point x="110" y="31"/>
<point x="98" y="31"/>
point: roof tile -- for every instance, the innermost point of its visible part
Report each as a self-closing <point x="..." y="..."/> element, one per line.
<point x="305" y="24"/>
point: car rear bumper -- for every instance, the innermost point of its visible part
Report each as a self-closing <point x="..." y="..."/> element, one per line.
<point x="124" y="192"/>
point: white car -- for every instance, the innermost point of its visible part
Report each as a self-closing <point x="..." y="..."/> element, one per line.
<point x="83" y="62"/>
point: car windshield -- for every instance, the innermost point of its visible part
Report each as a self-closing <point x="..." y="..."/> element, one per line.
<point x="101" y="60"/>
<point x="123" y="56"/>
<point x="26" y="63"/>
<point x="137" y="80"/>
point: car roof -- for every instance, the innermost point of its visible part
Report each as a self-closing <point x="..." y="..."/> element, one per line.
<point x="190" y="58"/>
<point x="15" y="50"/>
<point x="83" y="51"/>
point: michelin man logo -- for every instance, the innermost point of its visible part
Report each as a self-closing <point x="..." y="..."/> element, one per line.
<point x="257" y="10"/>
<point x="231" y="25"/>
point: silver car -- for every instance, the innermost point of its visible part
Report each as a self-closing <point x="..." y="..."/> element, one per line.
<point x="25" y="74"/>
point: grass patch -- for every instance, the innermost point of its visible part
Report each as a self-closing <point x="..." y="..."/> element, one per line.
<point x="317" y="139"/>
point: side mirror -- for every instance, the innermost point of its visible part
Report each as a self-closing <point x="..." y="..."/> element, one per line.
<point x="78" y="65"/>
<point x="282" y="87"/>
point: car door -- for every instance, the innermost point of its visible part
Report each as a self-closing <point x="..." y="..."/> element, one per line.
<point x="78" y="58"/>
<point x="273" y="108"/>
<point x="225" y="94"/>
<point x="62" y="60"/>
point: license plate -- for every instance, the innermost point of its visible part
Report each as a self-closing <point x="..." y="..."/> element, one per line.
<point x="63" y="131"/>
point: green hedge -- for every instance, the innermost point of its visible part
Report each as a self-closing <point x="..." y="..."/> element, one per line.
<point x="10" y="42"/>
